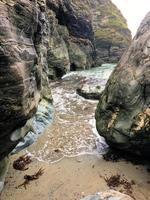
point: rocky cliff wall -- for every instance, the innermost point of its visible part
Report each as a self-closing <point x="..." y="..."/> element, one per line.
<point x="92" y="32"/>
<point x="20" y="74"/>
<point x="123" y="112"/>
<point x="23" y="74"/>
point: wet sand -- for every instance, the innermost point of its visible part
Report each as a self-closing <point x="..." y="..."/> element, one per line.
<point x="73" y="178"/>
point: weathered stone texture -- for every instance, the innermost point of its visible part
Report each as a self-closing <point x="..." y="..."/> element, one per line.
<point x="21" y="68"/>
<point x="123" y="112"/>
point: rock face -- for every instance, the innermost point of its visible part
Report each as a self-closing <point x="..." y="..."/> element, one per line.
<point x="42" y="40"/>
<point x="23" y="72"/>
<point x="87" y="33"/>
<point x="123" y="112"/>
<point x="24" y="37"/>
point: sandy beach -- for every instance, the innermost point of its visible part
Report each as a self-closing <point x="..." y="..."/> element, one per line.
<point x="73" y="178"/>
<point x="71" y="157"/>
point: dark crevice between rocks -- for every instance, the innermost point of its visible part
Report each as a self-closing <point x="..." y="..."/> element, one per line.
<point x="73" y="67"/>
<point x="59" y="72"/>
<point x="115" y="156"/>
<point x="4" y="60"/>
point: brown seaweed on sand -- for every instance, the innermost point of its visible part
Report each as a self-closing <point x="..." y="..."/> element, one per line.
<point x="29" y="178"/>
<point x="21" y="162"/>
<point x="118" y="181"/>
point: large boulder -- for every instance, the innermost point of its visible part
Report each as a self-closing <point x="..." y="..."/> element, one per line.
<point x="92" y="91"/>
<point x="123" y="112"/>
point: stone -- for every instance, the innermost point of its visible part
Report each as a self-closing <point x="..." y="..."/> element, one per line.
<point x="108" y="195"/>
<point x="123" y="112"/>
<point x="90" y="91"/>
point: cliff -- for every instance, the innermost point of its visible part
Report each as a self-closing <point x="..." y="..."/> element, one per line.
<point x="92" y="32"/>
<point x="78" y="34"/>
<point x="123" y="112"/>
<point x="23" y="72"/>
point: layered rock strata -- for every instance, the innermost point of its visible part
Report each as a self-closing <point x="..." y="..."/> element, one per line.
<point x="23" y="70"/>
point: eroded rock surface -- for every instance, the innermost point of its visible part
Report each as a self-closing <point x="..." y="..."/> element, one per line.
<point x="123" y="112"/>
<point x="23" y="75"/>
<point x="19" y="94"/>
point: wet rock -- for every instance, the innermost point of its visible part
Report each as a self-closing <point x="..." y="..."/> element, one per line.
<point x="42" y="118"/>
<point x="108" y="195"/>
<point x="123" y="112"/>
<point x="93" y="81"/>
<point x="90" y="91"/>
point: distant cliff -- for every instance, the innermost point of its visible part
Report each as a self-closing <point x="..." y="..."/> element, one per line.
<point x="85" y="33"/>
